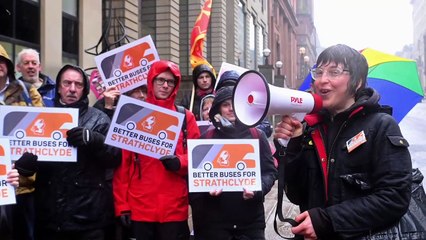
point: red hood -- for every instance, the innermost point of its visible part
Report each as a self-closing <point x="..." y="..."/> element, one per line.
<point x="155" y="69"/>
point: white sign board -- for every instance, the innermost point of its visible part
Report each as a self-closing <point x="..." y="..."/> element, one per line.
<point x="228" y="67"/>
<point x="127" y="67"/>
<point x="144" y="128"/>
<point x="7" y="192"/>
<point x="41" y="131"/>
<point x="227" y="164"/>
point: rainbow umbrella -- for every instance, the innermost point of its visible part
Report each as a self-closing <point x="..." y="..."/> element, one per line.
<point x="395" y="78"/>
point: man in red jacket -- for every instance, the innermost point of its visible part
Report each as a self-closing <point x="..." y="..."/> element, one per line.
<point x="152" y="194"/>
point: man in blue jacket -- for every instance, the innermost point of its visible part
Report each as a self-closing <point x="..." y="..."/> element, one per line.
<point x="28" y="64"/>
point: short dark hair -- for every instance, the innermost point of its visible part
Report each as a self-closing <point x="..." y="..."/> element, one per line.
<point x="351" y="59"/>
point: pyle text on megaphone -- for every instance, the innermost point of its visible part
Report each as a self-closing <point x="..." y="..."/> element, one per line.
<point x="254" y="99"/>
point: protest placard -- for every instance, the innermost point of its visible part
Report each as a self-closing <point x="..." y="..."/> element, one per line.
<point x="41" y="131"/>
<point x="227" y="164"/>
<point x="7" y="192"/>
<point x="97" y="85"/>
<point x="127" y="67"/>
<point x="228" y="67"/>
<point x="144" y="128"/>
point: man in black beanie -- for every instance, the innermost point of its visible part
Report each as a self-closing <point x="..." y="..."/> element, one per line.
<point x="203" y="80"/>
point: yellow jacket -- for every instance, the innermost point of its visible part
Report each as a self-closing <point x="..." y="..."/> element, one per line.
<point x="13" y="96"/>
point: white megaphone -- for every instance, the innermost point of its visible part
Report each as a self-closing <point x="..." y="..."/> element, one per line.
<point x="254" y="99"/>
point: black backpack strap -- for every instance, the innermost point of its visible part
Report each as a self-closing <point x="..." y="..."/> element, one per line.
<point x="182" y="110"/>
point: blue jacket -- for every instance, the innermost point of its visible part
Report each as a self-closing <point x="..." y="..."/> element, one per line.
<point x="46" y="90"/>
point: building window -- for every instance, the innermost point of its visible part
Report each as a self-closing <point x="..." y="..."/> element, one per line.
<point x="20" y="20"/>
<point x="6" y="18"/>
<point x="70" y="31"/>
<point x="261" y="42"/>
<point x="241" y="35"/>
<point x="302" y="7"/>
<point x="28" y="21"/>
<point x="70" y="7"/>
<point x="147" y="17"/>
<point x="252" y="43"/>
<point x="20" y="24"/>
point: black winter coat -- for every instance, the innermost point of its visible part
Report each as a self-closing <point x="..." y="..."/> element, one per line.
<point x="229" y="211"/>
<point x="368" y="188"/>
<point x="100" y="104"/>
<point x="78" y="196"/>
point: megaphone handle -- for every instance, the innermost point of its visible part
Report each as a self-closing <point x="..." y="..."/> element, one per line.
<point x="298" y="116"/>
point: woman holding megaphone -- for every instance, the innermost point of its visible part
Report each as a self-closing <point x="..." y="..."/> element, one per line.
<point x="347" y="166"/>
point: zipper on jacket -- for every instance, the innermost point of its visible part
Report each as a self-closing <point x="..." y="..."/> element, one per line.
<point x="332" y="147"/>
<point x="137" y="165"/>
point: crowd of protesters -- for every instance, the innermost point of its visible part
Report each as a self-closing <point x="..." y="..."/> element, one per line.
<point x="112" y="193"/>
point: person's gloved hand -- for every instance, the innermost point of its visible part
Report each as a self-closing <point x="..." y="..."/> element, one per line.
<point x="27" y="164"/>
<point x="170" y="162"/>
<point x="125" y="218"/>
<point x="81" y="136"/>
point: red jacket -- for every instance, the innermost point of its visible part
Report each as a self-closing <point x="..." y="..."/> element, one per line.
<point x="141" y="184"/>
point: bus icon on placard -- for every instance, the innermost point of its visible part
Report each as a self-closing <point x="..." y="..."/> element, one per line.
<point x="239" y="156"/>
<point x="135" y="117"/>
<point x="2" y="166"/>
<point x="31" y="124"/>
<point x="126" y="60"/>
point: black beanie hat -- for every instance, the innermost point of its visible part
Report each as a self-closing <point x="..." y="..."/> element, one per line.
<point x="228" y="78"/>
<point x="200" y="69"/>
<point x="86" y="89"/>
<point x="222" y="95"/>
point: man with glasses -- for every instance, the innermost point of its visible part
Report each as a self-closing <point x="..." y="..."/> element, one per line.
<point x="348" y="166"/>
<point x="151" y="194"/>
<point x="74" y="199"/>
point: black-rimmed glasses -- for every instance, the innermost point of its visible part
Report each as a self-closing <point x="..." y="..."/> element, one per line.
<point x="160" y="81"/>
